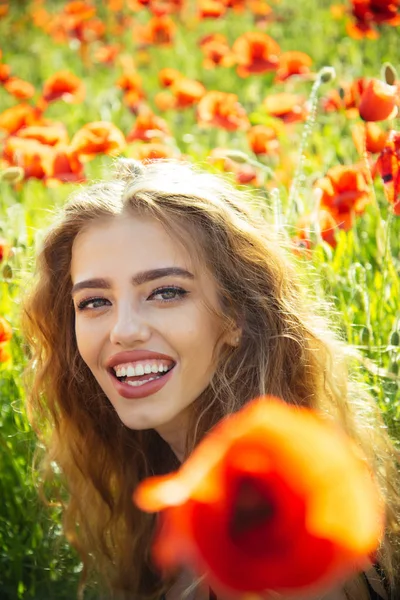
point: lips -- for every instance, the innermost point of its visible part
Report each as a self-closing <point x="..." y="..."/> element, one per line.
<point x="147" y="389"/>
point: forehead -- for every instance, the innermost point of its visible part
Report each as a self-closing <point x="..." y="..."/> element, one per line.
<point x="136" y="242"/>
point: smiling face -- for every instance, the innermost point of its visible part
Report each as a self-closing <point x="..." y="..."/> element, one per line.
<point x="142" y="322"/>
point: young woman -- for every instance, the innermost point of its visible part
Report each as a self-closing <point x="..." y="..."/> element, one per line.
<point x="163" y="303"/>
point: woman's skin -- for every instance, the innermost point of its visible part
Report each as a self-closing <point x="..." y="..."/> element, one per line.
<point x="130" y="311"/>
<point x="140" y="302"/>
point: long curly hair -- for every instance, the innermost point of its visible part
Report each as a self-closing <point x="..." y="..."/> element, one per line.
<point x="287" y="348"/>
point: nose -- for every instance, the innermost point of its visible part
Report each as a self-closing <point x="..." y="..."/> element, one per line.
<point x="129" y="327"/>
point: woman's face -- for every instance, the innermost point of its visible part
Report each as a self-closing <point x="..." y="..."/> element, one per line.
<point x="141" y="321"/>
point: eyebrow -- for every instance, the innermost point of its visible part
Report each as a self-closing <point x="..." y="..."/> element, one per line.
<point x="138" y="279"/>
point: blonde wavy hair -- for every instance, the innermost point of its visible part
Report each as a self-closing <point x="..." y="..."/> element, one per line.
<point x="286" y="349"/>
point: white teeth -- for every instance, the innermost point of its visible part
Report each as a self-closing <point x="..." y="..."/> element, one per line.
<point x="139" y="369"/>
<point x="138" y="383"/>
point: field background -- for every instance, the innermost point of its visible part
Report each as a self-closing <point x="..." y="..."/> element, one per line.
<point x="116" y="47"/>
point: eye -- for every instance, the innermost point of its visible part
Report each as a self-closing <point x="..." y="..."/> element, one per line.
<point x="168" y="294"/>
<point x="93" y="303"/>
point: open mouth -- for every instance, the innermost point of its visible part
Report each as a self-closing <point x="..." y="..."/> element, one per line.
<point x="139" y="380"/>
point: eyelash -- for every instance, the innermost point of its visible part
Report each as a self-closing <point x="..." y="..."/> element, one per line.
<point x="181" y="293"/>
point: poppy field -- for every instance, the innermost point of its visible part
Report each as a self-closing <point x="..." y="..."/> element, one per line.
<point x="297" y="100"/>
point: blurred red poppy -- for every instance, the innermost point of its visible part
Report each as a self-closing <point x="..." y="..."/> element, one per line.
<point x="263" y="139"/>
<point x="107" y="53"/>
<point x="98" y="137"/>
<point x="159" y="31"/>
<point x="388" y="166"/>
<point x="4" y="248"/>
<point x="321" y="220"/>
<point x="245" y="174"/>
<point x="64" y="85"/>
<point x="370" y="136"/>
<point x="154" y="150"/>
<point x="255" y="53"/>
<point x="293" y="63"/>
<point x="168" y="76"/>
<point x="347" y="97"/>
<point x="23" y="90"/>
<point x="255" y="506"/>
<point x="29" y="154"/>
<point x="5" y="330"/>
<point x="50" y="135"/>
<point x="147" y="127"/>
<point x="345" y="193"/>
<point x="290" y="108"/>
<point x="217" y="53"/>
<point x="5" y="73"/>
<point x="378" y="101"/>
<point x="211" y="9"/>
<point x="220" y="109"/>
<point x="367" y="13"/>
<point x="187" y="92"/>
<point x="16" y="117"/>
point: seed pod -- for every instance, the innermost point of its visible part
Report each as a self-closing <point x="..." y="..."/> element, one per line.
<point x="7" y="272"/>
<point x="365" y="335"/>
<point x="395" y="338"/>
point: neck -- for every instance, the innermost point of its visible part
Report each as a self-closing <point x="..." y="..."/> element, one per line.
<point x="175" y="433"/>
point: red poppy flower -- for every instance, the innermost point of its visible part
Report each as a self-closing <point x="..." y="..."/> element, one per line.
<point x="99" y="137"/>
<point x="168" y="76"/>
<point x="23" y="90"/>
<point x="154" y="150"/>
<point x="255" y="506"/>
<point x="256" y="53"/>
<point x="66" y="167"/>
<point x="29" y="154"/>
<point x="147" y="127"/>
<point x="187" y="92"/>
<point x="159" y="31"/>
<point x="5" y="330"/>
<point x="107" y="53"/>
<point x="164" y="100"/>
<point x="211" y="9"/>
<point x="15" y="118"/>
<point x="5" y="73"/>
<point x="388" y="166"/>
<point x="217" y="53"/>
<point x="220" y="109"/>
<point x="378" y="101"/>
<point x="324" y="221"/>
<point x="50" y="135"/>
<point x="64" y="85"/>
<point x="4" y="249"/>
<point x="345" y="193"/>
<point x="293" y="63"/>
<point x="370" y="136"/>
<point x="346" y="98"/>
<point x="3" y="9"/>
<point x="290" y="108"/>
<point x="245" y="174"/>
<point x="367" y="13"/>
<point x="263" y="139"/>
